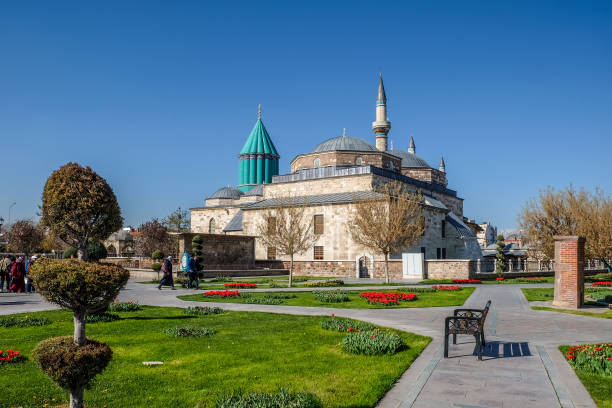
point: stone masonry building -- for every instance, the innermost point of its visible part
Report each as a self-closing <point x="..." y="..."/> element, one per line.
<point x="329" y="180"/>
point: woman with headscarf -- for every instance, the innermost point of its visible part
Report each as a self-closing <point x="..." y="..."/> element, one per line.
<point x="18" y="276"/>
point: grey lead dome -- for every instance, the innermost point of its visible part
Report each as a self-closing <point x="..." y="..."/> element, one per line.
<point x="344" y="143"/>
<point x="227" y="192"/>
<point x="409" y="159"/>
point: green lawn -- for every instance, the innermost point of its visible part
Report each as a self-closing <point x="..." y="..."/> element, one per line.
<point x="545" y="294"/>
<point x="249" y="352"/>
<point x="604" y="315"/>
<point x="428" y="299"/>
<point x="538" y="294"/>
<point x="598" y="386"/>
<point x="521" y="281"/>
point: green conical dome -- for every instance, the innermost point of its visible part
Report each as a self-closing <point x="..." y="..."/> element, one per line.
<point x="258" y="159"/>
<point x="259" y="141"/>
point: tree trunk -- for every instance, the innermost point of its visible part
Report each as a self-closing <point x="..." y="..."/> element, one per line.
<point x="386" y="268"/>
<point x="79" y="328"/>
<point x="291" y="272"/>
<point x="82" y="254"/>
<point x="76" y="398"/>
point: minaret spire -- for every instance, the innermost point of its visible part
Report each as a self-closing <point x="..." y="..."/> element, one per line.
<point x="259" y="111"/>
<point x="382" y="125"/>
<point x="412" y="147"/>
<point x="442" y="167"/>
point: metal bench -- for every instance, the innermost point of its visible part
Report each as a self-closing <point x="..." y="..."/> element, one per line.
<point x="467" y="321"/>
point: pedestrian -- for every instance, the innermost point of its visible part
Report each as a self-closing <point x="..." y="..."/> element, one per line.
<point x="29" y="288"/>
<point x="167" y="274"/>
<point x="5" y="272"/>
<point x="193" y="272"/>
<point x="17" y="276"/>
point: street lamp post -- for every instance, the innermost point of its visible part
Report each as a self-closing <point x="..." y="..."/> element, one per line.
<point x="10" y="208"/>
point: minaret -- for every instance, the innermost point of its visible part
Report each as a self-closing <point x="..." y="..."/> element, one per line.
<point x="442" y="167"/>
<point x="412" y="147"/>
<point x="382" y="126"/>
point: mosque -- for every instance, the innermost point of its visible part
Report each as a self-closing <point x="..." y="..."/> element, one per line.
<point x="330" y="179"/>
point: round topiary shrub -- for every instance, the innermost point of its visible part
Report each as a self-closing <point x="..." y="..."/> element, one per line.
<point x="71" y="366"/>
<point x="156" y="266"/>
<point x="157" y="255"/>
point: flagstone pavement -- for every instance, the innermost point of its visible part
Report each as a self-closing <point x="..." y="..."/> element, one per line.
<point x="522" y="366"/>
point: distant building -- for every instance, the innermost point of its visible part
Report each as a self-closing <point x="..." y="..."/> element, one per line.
<point x="120" y="243"/>
<point x="487" y="235"/>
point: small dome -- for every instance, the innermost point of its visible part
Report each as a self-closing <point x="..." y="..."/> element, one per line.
<point x="227" y="192"/>
<point x="409" y="159"/>
<point x="255" y="191"/>
<point x="344" y="143"/>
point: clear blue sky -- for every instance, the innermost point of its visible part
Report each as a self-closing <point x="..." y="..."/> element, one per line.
<point x="158" y="97"/>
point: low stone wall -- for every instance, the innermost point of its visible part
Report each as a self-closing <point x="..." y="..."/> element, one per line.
<point x="449" y="268"/>
<point x="220" y="249"/>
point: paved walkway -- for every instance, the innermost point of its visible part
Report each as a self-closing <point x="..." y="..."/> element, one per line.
<point x="522" y="366"/>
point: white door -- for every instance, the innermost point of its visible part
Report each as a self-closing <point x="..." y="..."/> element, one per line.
<point x="412" y="266"/>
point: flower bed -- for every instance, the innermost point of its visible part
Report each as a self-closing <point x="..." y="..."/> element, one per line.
<point x="329" y="296"/>
<point x="10" y="356"/>
<point x="594" y="358"/>
<point x="450" y="288"/>
<point x="243" y="285"/>
<point x="118" y="306"/>
<point x="222" y="293"/>
<point x="467" y="281"/>
<point x="335" y="282"/>
<point x="202" y="311"/>
<point x="599" y="284"/>
<point x="371" y="343"/>
<point x="188" y="332"/>
<point x="500" y="279"/>
<point x="25" y="321"/>
<point x="342" y="324"/>
<point x="387" y="298"/>
<point x="101" y="317"/>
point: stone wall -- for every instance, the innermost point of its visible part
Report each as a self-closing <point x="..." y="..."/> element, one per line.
<point x="339" y="158"/>
<point x="221" y="251"/>
<point x="362" y="182"/>
<point x="429" y="175"/>
<point x="449" y="269"/>
<point x="200" y="218"/>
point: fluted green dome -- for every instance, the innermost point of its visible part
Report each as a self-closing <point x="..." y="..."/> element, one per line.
<point x="259" y="141"/>
<point x="258" y="159"/>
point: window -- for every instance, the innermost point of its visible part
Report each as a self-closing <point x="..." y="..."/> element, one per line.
<point x="443" y="253"/>
<point x="438" y="253"/>
<point x="318" y="252"/>
<point x="271" y="253"/>
<point x="271" y="225"/>
<point x="317" y="162"/>
<point x="443" y="229"/>
<point x="318" y="224"/>
<point x="358" y="161"/>
<point x="423" y="252"/>
<point x="211" y="226"/>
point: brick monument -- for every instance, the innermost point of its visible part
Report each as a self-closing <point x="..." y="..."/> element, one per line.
<point x="569" y="271"/>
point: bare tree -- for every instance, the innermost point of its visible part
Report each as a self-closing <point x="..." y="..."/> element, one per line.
<point x="178" y="221"/>
<point x="25" y="236"/>
<point x="390" y="221"/>
<point x="287" y="228"/>
<point x="153" y="235"/>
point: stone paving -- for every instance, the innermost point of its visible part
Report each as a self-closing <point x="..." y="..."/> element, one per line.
<point x="521" y="367"/>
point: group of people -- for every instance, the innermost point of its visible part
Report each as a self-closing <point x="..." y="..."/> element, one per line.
<point x="193" y="266"/>
<point x="16" y="273"/>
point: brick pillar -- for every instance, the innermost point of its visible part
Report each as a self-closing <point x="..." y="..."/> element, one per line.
<point x="569" y="271"/>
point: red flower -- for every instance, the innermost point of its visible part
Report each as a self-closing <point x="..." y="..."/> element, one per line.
<point x="350" y="329"/>
<point x="571" y="356"/>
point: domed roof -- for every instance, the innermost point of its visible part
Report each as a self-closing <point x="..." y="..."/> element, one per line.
<point x="344" y="143"/>
<point x="255" y="191"/>
<point x="227" y="192"/>
<point x="409" y="159"/>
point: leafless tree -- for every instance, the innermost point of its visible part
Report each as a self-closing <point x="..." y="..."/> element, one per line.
<point x="287" y="228"/>
<point x="25" y="236"/>
<point x="388" y="222"/>
<point x="153" y="235"/>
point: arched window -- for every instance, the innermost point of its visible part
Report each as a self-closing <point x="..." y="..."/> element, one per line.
<point x="211" y="226"/>
<point x="358" y="161"/>
<point x="317" y="162"/>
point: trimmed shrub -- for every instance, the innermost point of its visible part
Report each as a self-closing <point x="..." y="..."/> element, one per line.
<point x="188" y="332"/>
<point x="71" y="366"/>
<point x="157" y="255"/>
<point x="372" y="343"/>
<point x="342" y="324"/>
<point x="123" y="306"/>
<point x="281" y="399"/>
<point x="101" y="317"/>
<point x="95" y="250"/>
<point x="202" y="310"/>
<point x="70" y="252"/>
<point x="25" y="321"/>
<point x="156" y="266"/>
<point x="329" y="296"/>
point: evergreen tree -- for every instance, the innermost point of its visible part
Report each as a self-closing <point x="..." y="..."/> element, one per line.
<point x="500" y="258"/>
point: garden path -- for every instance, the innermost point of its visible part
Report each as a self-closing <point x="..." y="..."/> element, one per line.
<point x="522" y="366"/>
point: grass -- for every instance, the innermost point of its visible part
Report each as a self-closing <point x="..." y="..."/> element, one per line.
<point x="604" y="315"/>
<point x="538" y="294"/>
<point x="249" y="352"/>
<point x="545" y="294"/>
<point x="521" y="281"/>
<point x="598" y="386"/>
<point x="428" y="299"/>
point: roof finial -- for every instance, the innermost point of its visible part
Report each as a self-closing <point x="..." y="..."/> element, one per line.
<point x="442" y="167"/>
<point x="382" y="97"/>
<point x="411" y="147"/>
<point x="392" y="145"/>
<point x="343" y="132"/>
<point x="259" y="111"/>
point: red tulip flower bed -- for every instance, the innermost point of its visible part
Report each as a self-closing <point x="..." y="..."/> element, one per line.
<point x="467" y="281"/>
<point x="222" y="293"/>
<point x="242" y="285"/>
<point x="387" y="298"/>
<point x="447" y="287"/>
<point x="602" y="283"/>
<point x="10" y="356"/>
<point x="499" y="279"/>
<point x="595" y="358"/>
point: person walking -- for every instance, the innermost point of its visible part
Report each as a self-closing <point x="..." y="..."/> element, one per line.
<point x="167" y="274"/>
<point x="17" y="276"/>
<point x="29" y="288"/>
<point x="5" y="272"/>
<point x="193" y="272"/>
